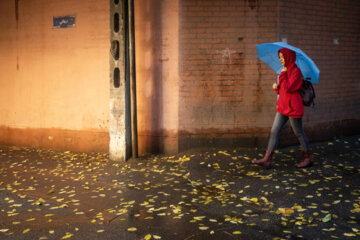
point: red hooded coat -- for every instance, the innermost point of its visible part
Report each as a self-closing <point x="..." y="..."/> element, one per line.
<point x="290" y="82"/>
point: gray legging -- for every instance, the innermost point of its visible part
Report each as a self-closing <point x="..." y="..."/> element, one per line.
<point x="296" y="125"/>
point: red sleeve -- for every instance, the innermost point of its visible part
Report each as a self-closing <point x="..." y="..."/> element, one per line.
<point x="293" y="83"/>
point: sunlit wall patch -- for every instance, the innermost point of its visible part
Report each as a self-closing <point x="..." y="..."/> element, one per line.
<point x="64" y="21"/>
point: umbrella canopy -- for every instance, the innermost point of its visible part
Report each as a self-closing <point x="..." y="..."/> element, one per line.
<point x="268" y="53"/>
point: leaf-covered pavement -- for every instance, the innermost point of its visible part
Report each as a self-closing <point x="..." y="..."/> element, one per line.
<point x="212" y="194"/>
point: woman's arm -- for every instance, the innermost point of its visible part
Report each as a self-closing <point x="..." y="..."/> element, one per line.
<point x="293" y="83"/>
<point x="276" y="87"/>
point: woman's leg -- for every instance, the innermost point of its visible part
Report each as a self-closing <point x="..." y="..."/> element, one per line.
<point x="279" y="122"/>
<point x="296" y="124"/>
<point x="297" y="127"/>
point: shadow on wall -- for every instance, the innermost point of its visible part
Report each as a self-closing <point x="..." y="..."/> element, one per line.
<point x="148" y="26"/>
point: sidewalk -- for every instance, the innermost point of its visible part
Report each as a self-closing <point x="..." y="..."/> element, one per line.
<point x="198" y="194"/>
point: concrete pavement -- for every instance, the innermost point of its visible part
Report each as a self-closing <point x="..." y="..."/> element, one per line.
<point x="198" y="194"/>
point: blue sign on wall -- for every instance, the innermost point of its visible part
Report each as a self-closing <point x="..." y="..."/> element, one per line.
<point x="64" y="22"/>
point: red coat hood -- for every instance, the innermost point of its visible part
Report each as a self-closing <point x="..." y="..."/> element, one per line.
<point x="289" y="57"/>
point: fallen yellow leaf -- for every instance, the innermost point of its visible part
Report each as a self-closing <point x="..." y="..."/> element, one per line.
<point x="51" y="191"/>
<point x="350" y="234"/>
<point x="355" y="210"/>
<point x="203" y="228"/>
<point x="328" y="230"/>
<point x="68" y="235"/>
<point x="285" y="211"/>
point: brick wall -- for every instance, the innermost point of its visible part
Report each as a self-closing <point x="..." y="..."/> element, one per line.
<point x="313" y="26"/>
<point x="225" y="91"/>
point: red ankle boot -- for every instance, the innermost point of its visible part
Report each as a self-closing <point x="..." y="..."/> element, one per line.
<point x="266" y="160"/>
<point x="307" y="162"/>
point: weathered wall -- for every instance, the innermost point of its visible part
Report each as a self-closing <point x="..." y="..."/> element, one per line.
<point x="54" y="82"/>
<point x="314" y="25"/>
<point x="225" y="91"/>
<point x="157" y="74"/>
<point x="199" y="81"/>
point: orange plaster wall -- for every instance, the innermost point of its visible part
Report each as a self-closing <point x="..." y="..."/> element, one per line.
<point x="157" y="74"/>
<point x="54" y="83"/>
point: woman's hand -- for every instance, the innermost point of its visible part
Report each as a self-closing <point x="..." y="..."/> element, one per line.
<point x="275" y="86"/>
<point x="284" y="69"/>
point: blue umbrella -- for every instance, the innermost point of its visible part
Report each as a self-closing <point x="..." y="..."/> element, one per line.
<point x="268" y="53"/>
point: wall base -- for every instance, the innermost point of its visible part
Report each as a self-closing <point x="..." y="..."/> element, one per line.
<point x="322" y="131"/>
<point x="96" y="141"/>
<point x="162" y="142"/>
<point x="78" y="141"/>
<point x="247" y="137"/>
<point x="258" y="137"/>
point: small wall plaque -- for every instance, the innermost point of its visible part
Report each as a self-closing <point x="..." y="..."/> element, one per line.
<point x="64" y="21"/>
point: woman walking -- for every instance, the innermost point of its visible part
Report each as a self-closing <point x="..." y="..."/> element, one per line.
<point x="289" y="107"/>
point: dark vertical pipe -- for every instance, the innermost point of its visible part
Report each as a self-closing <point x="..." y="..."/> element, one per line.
<point x="134" y="141"/>
<point x="17" y="13"/>
<point x="127" y="65"/>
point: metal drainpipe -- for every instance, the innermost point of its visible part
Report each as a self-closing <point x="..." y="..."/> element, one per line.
<point x="134" y="140"/>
